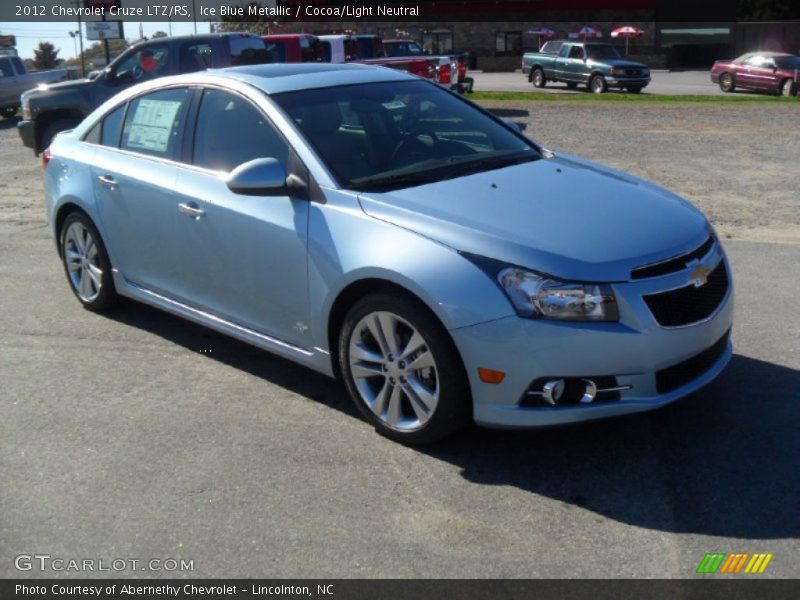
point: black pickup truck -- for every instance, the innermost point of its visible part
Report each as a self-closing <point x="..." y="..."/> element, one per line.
<point x="50" y="109"/>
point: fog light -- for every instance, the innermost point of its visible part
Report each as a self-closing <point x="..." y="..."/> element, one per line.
<point x="553" y="390"/>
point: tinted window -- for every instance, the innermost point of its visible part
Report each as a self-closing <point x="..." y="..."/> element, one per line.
<point x="351" y="49"/>
<point x="146" y="63"/>
<point x="18" y="65"/>
<point x="576" y="52"/>
<point x="599" y="51"/>
<point x="153" y="121"/>
<point x="195" y="56"/>
<point x="276" y="51"/>
<point x="325" y="50"/>
<point x="788" y="62"/>
<point x="383" y="134"/>
<point x="5" y="68"/>
<point x="230" y="131"/>
<point x="310" y="50"/>
<point x="248" y="50"/>
<point x="112" y="127"/>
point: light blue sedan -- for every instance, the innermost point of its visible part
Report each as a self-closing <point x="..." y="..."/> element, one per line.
<point x="372" y="226"/>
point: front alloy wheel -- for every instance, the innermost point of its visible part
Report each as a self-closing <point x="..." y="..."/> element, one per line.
<point x="598" y="84"/>
<point x="86" y="263"/>
<point x="789" y="88"/>
<point x="402" y="370"/>
<point x="726" y="83"/>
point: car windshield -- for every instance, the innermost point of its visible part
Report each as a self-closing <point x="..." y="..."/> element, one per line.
<point x="600" y="51"/>
<point x="788" y="62"/>
<point x="392" y="135"/>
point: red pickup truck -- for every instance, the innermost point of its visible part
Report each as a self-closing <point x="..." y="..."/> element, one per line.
<point x="451" y="69"/>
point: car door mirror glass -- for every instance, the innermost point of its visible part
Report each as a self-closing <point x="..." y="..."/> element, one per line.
<point x="258" y="177"/>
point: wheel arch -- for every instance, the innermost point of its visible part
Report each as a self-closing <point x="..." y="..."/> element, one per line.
<point x="63" y="211"/>
<point x="356" y="290"/>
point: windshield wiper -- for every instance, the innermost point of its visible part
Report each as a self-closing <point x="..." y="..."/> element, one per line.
<point x="398" y="180"/>
<point x="490" y="164"/>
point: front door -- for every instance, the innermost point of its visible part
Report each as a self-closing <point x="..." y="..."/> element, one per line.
<point x="246" y="254"/>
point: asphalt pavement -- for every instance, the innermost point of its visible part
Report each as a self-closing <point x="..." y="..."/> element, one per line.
<point x="136" y="435"/>
<point x="692" y="83"/>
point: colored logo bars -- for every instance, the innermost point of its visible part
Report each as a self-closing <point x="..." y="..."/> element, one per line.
<point x="743" y="562"/>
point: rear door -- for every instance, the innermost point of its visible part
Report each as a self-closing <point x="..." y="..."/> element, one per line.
<point x="246" y="255"/>
<point x="134" y="183"/>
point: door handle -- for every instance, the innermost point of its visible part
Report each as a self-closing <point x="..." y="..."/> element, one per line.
<point x="192" y="211"/>
<point x="107" y="181"/>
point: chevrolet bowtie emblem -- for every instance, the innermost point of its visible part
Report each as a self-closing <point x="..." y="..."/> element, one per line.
<point x="699" y="275"/>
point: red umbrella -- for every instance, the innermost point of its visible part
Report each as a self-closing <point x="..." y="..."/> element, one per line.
<point x="587" y="31"/>
<point x="627" y="31"/>
<point x="542" y="32"/>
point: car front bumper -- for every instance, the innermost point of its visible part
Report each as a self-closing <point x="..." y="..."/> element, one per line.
<point x="632" y="350"/>
<point x="27" y="132"/>
<point x="623" y="82"/>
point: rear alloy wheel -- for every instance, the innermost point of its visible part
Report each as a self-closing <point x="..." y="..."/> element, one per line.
<point x="402" y="370"/>
<point x="538" y="79"/>
<point x="598" y="84"/>
<point x="788" y="88"/>
<point x="726" y="83"/>
<point x="86" y="263"/>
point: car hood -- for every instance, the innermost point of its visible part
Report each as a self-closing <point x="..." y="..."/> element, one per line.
<point x="563" y="216"/>
<point x="44" y="88"/>
<point x="619" y="63"/>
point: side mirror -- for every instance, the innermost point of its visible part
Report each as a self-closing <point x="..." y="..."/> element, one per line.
<point x="110" y="76"/>
<point x="258" y="177"/>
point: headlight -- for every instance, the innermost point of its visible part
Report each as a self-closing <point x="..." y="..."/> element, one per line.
<point x="537" y="296"/>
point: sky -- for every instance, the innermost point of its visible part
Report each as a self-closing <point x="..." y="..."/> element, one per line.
<point x="30" y="34"/>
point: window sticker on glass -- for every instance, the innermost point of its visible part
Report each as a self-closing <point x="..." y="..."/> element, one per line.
<point x="152" y="124"/>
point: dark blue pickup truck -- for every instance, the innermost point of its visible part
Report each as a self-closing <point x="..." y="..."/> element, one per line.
<point x="598" y="66"/>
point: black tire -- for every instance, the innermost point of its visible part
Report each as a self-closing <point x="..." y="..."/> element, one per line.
<point x="56" y="127"/>
<point x="107" y="296"/>
<point x="453" y="409"/>
<point x="538" y="79"/>
<point x="8" y="112"/>
<point x="571" y="85"/>
<point x="727" y="83"/>
<point x="788" y="88"/>
<point x="597" y="84"/>
<point x="635" y="89"/>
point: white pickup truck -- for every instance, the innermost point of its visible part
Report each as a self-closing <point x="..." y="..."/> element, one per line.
<point x="15" y="79"/>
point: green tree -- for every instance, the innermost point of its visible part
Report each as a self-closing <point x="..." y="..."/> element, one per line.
<point x="46" y="56"/>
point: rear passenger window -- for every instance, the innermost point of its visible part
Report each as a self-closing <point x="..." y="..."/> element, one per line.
<point x="248" y="50"/>
<point x="231" y="131"/>
<point x="576" y="52"/>
<point x="112" y="128"/>
<point x="194" y="56"/>
<point x="153" y="121"/>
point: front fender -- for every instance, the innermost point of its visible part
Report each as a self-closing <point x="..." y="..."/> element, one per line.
<point x="346" y="245"/>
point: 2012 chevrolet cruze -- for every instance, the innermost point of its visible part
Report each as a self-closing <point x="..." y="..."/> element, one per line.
<point x="371" y="225"/>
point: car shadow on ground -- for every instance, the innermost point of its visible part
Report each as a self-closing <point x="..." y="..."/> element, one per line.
<point x="723" y="462"/>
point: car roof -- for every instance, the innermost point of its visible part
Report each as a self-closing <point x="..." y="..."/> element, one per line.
<point x="747" y="55"/>
<point x="275" y="78"/>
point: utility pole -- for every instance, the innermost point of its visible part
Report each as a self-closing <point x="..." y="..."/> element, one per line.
<point x="77" y="4"/>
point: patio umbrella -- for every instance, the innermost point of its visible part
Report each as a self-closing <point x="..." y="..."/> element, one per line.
<point x="627" y="32"/>
<point x="542" y="32"/>
<point x="586" y="32"/>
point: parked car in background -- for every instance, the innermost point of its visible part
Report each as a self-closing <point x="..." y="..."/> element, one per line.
<point x="339" y="49"/>
<point x="372" y="226"/>
<point x="451" y="70"/>
<point x="598" y="66"/>
<point x="772" y="72"/>
<point x="294" y="48"/>
<point x="53" y="108"/>
<point x="16" y="79"/>
<point x="370" y="46"/>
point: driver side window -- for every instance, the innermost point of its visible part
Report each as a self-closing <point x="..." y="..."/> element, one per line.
<point x="576" y="52"/>
<point x="146" y="63"/>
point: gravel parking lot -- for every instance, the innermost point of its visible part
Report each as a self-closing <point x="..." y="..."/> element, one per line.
<point x="138" y="435"/>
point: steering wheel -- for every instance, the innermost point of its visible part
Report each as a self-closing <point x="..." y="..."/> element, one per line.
<point x="411" y="147"/>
